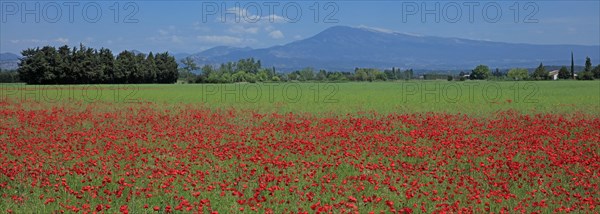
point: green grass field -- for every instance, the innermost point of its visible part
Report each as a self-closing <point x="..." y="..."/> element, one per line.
<point x="471" y="97"/>
<point x="225" y="148"/>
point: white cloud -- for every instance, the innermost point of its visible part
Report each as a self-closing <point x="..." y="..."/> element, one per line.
<point x="29" y="41"/>
<point x="243" y="30"/>
<point x="176" y="39"/>
<point x="236" y="13"/>
<point x="276" y="34"/>
<point x="377" y="29"/>
<point x="233" y="14"/>
<point x="273" y="18"/>
<point x="170" y="34"/>
<point x="163" y="32"/>
<point x="228" y="40"/>
<point x="197" y="26"/>
<point x="62" y="40"/>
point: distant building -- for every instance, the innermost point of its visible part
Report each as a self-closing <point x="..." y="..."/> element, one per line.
<point x="553" y="74"/>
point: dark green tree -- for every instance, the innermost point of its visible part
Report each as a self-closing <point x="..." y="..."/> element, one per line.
<point x="360" y="75"/>
<point x="518" y="74"/>
<point x="322" y="75"/>
<point x="480" y="72"/>
<point x="588" y="64"/>
<point x="28" y="71"/>
<point x="86" y="65"/>
<point x="9" y="76"/>
<point x="307" y="74"/>
<point x="51" y="61"/>
<point x="171" y="65"/>
<point x="572" y="66"/>
<point x="564" y="73"/>
<point x="587" y="73"/>
<point x="540" y="73"/>
<point x="66" y="71"/>
<point x="294" y="75"/>
<point x="596" y="72"/>
<point x="189" y="65"/>
<point x="124" y="66"/>
<point x="497" y="73"/>
<point x="391" y="74"/>
<point x="152" y="70"/>
<point x="107" y="65"/>
<point x="408" y="74"/>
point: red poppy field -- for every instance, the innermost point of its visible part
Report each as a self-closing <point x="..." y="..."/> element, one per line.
<point x="146" y="158"/>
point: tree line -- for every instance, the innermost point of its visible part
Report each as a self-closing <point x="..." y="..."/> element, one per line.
<point x="84" y="65"/>
<point x="540" y="73"/>
<point x="9" y="76"/>
<point x="251" y="70"/>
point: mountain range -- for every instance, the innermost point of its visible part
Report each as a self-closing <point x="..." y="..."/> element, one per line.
<point x="9" y="61"/>
<point x="345" y="48"/>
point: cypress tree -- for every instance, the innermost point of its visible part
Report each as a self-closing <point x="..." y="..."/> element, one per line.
<point x="572" y="66"/>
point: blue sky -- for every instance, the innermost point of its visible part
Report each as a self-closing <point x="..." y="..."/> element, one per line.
<point x="193" y="26"/>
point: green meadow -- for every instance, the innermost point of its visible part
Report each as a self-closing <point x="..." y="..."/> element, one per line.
<point x="469" y="97"/>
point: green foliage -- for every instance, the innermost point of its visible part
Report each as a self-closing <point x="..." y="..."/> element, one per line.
<point x="187" y="76"/>
<point x="275" y="79"/>
<point x="498" y="73"/>
<point x="518" y="74"/>
<point x="408" y="74"/>
<point x="361" y="75"/>
<point x="250" y="77"/>
<point x="293" y="76"/>
<point x="397" y="74"/>
<point x="596" y="72"/>
<point x="588" y="64"/>
<point x="480" y="72"/>
<point x="380" y="76"/>
<point x="9" y="76"/>
<point x="369" y="74"/>
<point x="540" y="73"/>
<point x="588" y="73"/>
<point x="263" y="75"/>
<point x="307" y="74"/>
<point x="436" y="76"/>
<point x="321" y="76"/>
<point x="336" y="76"/>
<point x="189" y="64"/>
<point x="124" y="66"/>
<point x="89" y="66"/>
<point x="564" y="73"/>
<point x="244" y="70"/>
<point x="585" y="75"/>
<point x="572" y="66"/>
